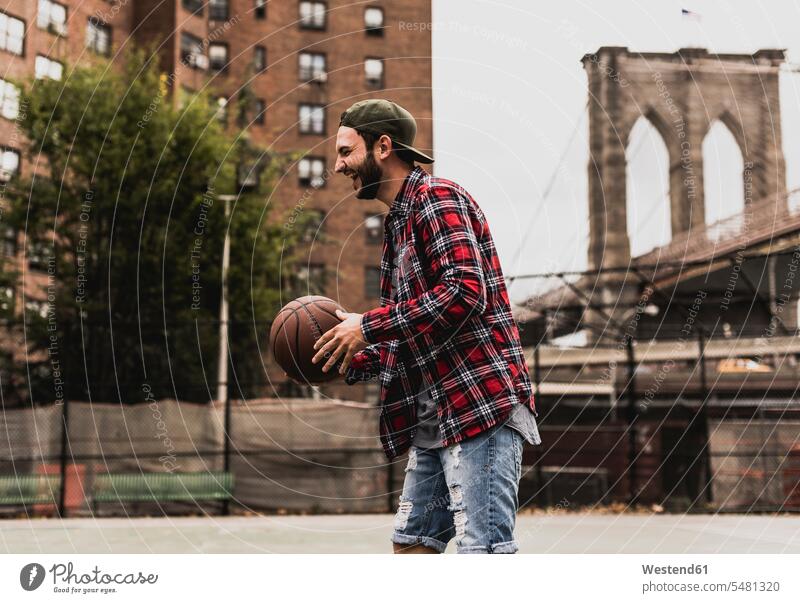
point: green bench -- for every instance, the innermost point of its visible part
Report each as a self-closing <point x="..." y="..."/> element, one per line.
<point x="29" y="489"/>
<point x="162" y="487"/>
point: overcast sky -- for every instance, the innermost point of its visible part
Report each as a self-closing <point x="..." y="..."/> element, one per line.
<point x="509" y="91"/>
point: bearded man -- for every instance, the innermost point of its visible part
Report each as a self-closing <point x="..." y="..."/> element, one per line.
<point x="455" y="391"/>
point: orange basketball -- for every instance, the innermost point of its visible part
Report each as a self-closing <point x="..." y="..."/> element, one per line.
<point x="296" y="329"/>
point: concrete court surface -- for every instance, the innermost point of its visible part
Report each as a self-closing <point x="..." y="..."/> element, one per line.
<point x="566" y="533"/>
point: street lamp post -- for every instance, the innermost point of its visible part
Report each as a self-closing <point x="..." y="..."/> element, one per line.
<point x="222" y="365"/>
<point x="247" y="181"/>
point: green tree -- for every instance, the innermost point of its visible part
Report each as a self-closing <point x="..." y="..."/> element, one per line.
<point x="129" y="215"/>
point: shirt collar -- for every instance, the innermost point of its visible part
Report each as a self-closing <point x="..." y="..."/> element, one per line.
<point x="402" y="202"/>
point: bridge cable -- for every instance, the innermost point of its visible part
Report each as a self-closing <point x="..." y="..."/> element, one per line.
<point x="551" y="183"/>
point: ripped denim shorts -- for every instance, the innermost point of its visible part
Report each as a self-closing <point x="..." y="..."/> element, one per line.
<point x="467" y="491"/>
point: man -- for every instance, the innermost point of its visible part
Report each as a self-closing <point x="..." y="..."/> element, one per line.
<point x="454" y="389"/>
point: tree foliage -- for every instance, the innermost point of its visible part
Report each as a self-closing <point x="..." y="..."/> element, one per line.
<point x="128" y="212"/>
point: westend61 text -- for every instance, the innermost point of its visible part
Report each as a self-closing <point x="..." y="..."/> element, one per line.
<point x="675" y="569"/>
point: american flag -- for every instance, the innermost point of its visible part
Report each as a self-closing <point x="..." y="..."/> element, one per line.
<point x="690" y="14"/>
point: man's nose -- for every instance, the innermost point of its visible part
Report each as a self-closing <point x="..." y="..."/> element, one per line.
<point x="340" y="165"/>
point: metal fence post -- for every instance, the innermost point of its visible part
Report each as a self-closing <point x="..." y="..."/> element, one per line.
<point x="632" y="416"/>
<point x="701" y="359"/>
<point x="537" y="380"/>
<point x="226" y="504"/>
<point x="222" y="367"/>
<point x="62" y="508"/>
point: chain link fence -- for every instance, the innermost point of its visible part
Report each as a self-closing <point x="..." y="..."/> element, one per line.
<point x="756" y="465"/>
<point x="322" y="456"/>
<point x="290" y="455"/>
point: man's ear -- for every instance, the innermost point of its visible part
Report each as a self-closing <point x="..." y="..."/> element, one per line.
<point x="384" y="146"/>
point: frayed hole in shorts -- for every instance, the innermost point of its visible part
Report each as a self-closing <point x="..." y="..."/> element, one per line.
<point x="403" y="513"/>
<point x="412" y="460"/>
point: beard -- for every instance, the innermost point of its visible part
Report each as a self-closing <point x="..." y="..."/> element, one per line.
<point x="371" y="176"/>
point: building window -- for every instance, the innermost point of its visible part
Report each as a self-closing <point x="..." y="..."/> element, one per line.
<point x="311" y="279"/>
<point x="261" y="9"/>
<point x="222" y="109"/>
<point x="247" y="176"/>
<point x="312" y="15"/>
<point x="12" y="34"/>
<point x="52" y="16"/>
<point x="98" y="37"/>
<point x="36" y="252"/>
<point x="373" y="227"/>
<point x="192" y="51"/>
<point x="9" y="242"/>
<point x="314" y="226"/>
<point x="373" y="72"/>
<point x="9" y="100"/>
<point x="259" y="108"/>
<point x="372" y="282"/>
<point x="48" y="68"/>
<point x="259" y="58"/>
<point x="7" y="299"/>
<point x="373" y="21"/>
<point x="38" y="307"/>
<point x="193" y="6"/>
<point x="311" y="172"/>
<point x="218" y="56"/>
<point x="312" y="119"/>
<point x="312" y="66"/>
<point x="218" y="10"/>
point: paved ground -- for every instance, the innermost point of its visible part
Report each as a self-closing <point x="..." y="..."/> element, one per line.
<point x="568" y="533"/>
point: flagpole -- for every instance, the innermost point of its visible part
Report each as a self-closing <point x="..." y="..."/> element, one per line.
<point x="688" y="16"/>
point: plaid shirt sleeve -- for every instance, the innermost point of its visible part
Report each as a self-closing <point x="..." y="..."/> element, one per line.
<point x="364" y="365"/>
<point x="442" y="217"/>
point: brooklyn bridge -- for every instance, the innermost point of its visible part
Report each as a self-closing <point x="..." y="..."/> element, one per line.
<point x="671" y="376"/>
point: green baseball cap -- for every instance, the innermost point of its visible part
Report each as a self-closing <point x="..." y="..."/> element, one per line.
<point x="381" y="116"/>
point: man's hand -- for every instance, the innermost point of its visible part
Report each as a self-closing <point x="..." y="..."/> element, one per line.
<point x="345" y="339"/>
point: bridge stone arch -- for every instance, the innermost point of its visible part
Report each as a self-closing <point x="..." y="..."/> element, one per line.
<point x="681" y="94"/>
<point x="735" y="128"/>
<point x="648" y="148"/>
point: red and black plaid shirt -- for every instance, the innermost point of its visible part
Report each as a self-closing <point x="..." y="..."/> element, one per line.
<point x="449" y="320"/>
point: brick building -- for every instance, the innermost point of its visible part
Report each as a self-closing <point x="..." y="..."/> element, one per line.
<point x="309" y="60"/>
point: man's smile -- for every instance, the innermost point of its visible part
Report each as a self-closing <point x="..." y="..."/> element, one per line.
<point x="354" y="177"/>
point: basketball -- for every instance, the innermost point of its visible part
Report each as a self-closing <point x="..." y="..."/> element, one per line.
<point x="296" y="329"/>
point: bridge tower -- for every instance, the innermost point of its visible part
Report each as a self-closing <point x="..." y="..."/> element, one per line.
<point x="681" y="94"/>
